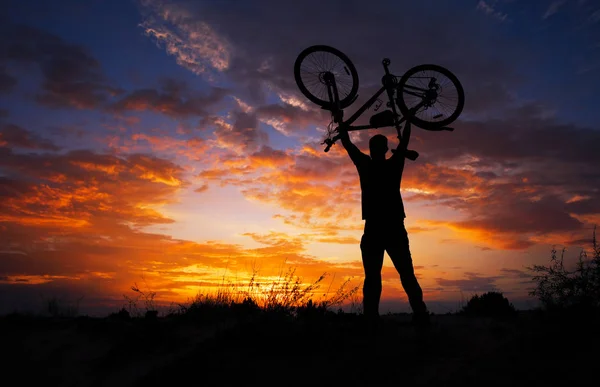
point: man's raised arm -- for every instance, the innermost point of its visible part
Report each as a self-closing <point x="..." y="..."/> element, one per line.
<point x="355" y="154"/>
<point x="402" y="149"/>
<point x="406" y="132"/>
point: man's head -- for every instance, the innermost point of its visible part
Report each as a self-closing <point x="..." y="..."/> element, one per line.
<point x="378" y="146"/>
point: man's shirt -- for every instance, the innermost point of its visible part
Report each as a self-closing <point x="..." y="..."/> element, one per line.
<point x="380" y="184"/>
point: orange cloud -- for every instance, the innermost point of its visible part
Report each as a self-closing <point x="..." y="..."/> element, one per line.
<point x="269" y="157"/>
<point x="193" y="148"/>
<point x="88" y="226"/>
<point x="174" y="100"/>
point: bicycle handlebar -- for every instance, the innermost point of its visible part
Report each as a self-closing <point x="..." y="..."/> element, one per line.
<point x="330" y="142"/>
<point x="410" y="154"/>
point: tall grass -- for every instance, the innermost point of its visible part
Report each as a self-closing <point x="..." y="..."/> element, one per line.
<point x="61" y="308"/>
<point x="141" y="302"/>
<point x="287" y="293"/>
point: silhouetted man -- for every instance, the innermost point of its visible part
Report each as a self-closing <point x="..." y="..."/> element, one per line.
<point x="383" y="212"/>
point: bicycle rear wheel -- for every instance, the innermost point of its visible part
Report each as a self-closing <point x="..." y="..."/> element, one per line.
<point x="437" y="89"/>
<point x="309" y="70"/>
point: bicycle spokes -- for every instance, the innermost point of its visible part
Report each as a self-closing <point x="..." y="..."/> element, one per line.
<point x="428" y="96"/>
<point x="435" y="92"/>
<point x="321" y="65"/>
<point x="433" y="85"/>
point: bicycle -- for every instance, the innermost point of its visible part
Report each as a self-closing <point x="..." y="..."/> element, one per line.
<point x="424" y="93"/>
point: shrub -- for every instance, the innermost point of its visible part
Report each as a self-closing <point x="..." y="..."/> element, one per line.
<point x="559" y="289"/>
<point x="61" y="308"/>
<point x="490" y="304"/>
<point x="121" y="315"/>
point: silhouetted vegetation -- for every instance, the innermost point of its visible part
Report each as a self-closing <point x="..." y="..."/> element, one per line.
<point x="560" y="289"/>
<point x="60" y="308"/>
<point x="225" y="337"/>
<point x="121" y="315"/>
<point x="142" y="302"/>
<point x="286" y="295"/>
<point x="282" y="322"/>
<point x="490" y="304"/>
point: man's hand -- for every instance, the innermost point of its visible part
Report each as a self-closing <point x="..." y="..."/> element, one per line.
<point x="343" y="133"/>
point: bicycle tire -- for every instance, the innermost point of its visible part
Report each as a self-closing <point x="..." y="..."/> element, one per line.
<point x="425" y="124"/>
<point x="326" y="104"/>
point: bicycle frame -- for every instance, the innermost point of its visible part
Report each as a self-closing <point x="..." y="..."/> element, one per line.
<point x="389" y="83"/>
<point x="364" y="107"/>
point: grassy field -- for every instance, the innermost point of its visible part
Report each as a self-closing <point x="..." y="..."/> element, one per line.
<point x="248" y="346"/>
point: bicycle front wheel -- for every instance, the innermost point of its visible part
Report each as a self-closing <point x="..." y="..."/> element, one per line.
<point x="437" y="90"/>
<point x="311" y="66"/>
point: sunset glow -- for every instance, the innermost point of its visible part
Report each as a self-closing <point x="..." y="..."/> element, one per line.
<point x="165" y="143"/>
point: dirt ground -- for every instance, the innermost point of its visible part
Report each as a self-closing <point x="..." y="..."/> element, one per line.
<point x="275" y="350"/>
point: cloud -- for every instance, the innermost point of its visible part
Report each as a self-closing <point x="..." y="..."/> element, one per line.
<point x="288" y="118"/>
<point x="71" y="77"/>
<point x="515" y="273"/>
<point x="508" y="216"/>
<point x="14" y="136"/>
<point x="243" y="135"/>
<point x="419" y="229"/>
<point x="503" y="179"/>
<point x="191" y="147"/>
<point x="262" y="62"/>
<point x="488" y="9"/>
<point x="85" y="189"/>
<point x="473" y="282"/>
<point x="301" y="181"/>
<point x="69" y="219"/>
<point x="552" y="8"/>
<point x="523" y="134"/>
<point x="501" y="174"/>
<point x="174" y="100"/>
<point x="112" y="255"/>
<point x="509" y="198"/>
<point x="75" y="218"/>
<point x="194" y="43"/>
<point x="202" y="188"/>
<point x="269" y="157"/>
<point x="7" y="81"/>
<point x="509" y="179"/>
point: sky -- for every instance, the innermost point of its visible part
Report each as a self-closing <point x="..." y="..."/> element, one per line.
<point x="166" y="143"/>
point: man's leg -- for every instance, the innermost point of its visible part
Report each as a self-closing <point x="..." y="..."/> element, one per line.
<point x="372" y="250"/>
<point x="398" y="249"/>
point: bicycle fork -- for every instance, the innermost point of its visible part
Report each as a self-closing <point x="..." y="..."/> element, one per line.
<point x="389" y="81"/>
<point x="337" y="112"/>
